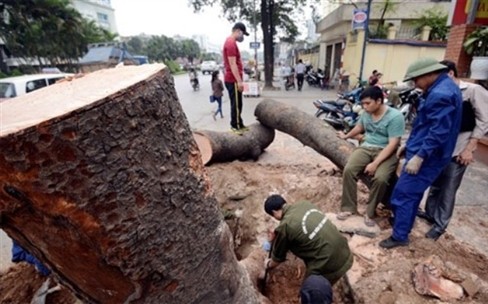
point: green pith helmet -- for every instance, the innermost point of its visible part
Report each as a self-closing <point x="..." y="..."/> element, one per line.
<point x="421" y="67"/>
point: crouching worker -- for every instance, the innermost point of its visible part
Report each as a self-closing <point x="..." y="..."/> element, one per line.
<point x="383" y="127"/>
<point x="309" y="235"/>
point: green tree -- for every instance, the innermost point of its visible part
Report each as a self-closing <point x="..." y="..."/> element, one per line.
<point x="437" y="20"/>
<point x="190" y="49"/>
<point x="48" y="30"/>
<point x="274" y="16"/>
<point x="135" y="45"/>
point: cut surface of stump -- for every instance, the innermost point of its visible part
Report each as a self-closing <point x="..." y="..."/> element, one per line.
<point x="101" y="180"/>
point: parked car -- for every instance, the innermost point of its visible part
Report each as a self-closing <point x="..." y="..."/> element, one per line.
<point x="20" y="85"/>
<point x="209" y="67"/>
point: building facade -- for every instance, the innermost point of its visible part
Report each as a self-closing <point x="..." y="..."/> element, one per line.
<point x="335" y="27"/>
<point x="99" y="11"/>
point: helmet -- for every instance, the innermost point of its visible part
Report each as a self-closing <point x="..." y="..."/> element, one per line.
<point x="421" y="67"/>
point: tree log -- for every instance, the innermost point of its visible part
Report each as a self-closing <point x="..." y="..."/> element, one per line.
<point x="226" y="146"/>
<point x="309" y="130"/>
<point x="101" y="179"/>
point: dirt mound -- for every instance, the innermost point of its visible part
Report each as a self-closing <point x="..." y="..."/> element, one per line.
<point x="377" y="276"/>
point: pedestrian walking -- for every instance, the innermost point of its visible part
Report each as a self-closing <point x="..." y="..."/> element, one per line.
<point x="300" y="73"/>
<point x="217" y="93"/>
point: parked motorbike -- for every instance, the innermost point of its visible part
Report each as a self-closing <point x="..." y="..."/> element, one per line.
<point x="341" y="114"/>
<point x="314" y="79"/>
<point x="408" y="104"/>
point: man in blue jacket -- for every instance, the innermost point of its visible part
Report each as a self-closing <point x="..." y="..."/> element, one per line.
<point x="430" y="145"/>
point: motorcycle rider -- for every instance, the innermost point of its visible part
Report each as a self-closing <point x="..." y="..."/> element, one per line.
<point x="383" y="127"/>
<point x="193" y="77"/>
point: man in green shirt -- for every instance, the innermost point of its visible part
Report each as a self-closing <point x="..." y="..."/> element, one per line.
<point x="383" y="127"/>
<point x="309" y="235"/>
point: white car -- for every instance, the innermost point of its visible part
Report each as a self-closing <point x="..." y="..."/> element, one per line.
<point x="209" y="67"/>
<point x="16" y="86"/>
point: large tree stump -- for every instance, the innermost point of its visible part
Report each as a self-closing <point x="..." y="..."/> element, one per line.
<point x="307" y="129"/>
<point x="226" y="146"/>
<point x="100" y="178"/>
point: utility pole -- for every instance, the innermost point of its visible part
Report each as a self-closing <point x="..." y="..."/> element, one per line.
<point x="366" y="35"/>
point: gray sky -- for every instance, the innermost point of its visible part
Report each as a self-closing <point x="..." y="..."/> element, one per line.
<point x="169" y="18"/>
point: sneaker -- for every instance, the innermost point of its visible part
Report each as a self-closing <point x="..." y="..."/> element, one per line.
<point x="433" y="234"/>
<point x="392" y="243"/>
<point x="244" y="128"/>
<point x="236" y="131"/>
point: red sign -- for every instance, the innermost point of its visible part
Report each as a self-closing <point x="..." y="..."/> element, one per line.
<point x="461" y="10"/>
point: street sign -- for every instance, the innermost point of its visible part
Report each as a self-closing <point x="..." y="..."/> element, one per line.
<point x="254" y="45"/>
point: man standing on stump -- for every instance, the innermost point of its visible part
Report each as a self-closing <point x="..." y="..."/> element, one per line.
<point x="474" y="125"/>
<point x="430" y="145"/>
<point x="233" y="76"/>
<point x="309" y="235"/>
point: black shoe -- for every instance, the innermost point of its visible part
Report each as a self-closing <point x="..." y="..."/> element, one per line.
<point x="433" y="234"/>
<point x="423" y="215"/>
<point x="392" y="243"/>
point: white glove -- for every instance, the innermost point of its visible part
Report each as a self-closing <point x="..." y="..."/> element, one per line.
<point x="413" y="165"/>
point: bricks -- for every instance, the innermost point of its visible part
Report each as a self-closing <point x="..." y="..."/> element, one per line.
<point x="455" y="50"/>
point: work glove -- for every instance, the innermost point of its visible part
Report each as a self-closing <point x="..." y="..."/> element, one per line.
<point x="413" y="165"/>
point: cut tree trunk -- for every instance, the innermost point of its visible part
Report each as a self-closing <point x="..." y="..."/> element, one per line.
<point x="312" y="132"/>
<point x="227" y="146"/>
<point x="100" y="179"/>
<point x="309" y="130"/>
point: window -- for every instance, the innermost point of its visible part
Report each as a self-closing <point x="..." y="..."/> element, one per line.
<point x="7" y="90"/>
<point x="35" y="85"/>
<point x="102" y="19"/>
<point x="53" y="80"/>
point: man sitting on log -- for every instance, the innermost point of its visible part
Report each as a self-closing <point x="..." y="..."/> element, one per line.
<point x="383" y="127"/>
<point x="309" y="235"/>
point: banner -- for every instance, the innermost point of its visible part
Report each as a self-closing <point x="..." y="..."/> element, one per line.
<point x="359" y="19"/>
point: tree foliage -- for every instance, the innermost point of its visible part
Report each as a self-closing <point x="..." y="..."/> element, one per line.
<point x="49" y="29"/>
<point x="163" y="48"/>
<point x="276" y="18"/>
<point x="437" y="20"/>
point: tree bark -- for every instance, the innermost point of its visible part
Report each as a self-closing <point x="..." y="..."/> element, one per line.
<point x="309" y="130"/>
<point x="100" y="179"/>
<point x="226" y="146"/>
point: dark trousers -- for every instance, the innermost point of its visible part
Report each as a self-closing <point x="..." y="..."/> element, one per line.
<point x="235" y="97"/>
<point x="300" y="81"/>
<point x="442" y="195"/>
<point x="218" y="99"/>
<point x="407" y="195"/>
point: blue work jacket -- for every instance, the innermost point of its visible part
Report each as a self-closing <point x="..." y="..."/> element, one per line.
<point x="436" y="127"/>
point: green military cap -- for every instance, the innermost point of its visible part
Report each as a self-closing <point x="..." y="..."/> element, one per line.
<point x="421" y="67"/>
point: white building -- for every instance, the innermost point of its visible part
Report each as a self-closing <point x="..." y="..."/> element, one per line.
<point x="100" y="11"/>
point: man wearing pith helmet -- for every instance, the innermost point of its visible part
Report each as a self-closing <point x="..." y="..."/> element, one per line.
<point x="430" y="145"/>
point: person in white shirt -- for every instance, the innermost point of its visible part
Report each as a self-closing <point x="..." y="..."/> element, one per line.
<point x="300" y="73"/>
